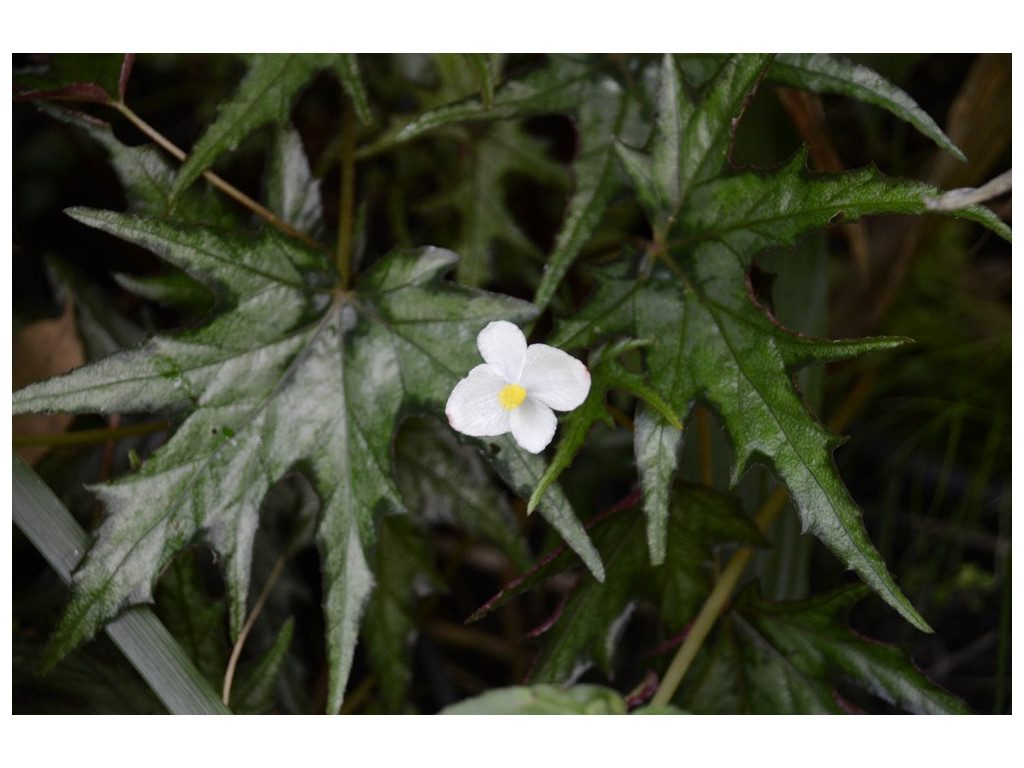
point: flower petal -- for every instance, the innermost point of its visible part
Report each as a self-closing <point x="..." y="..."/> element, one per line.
<point x="533" y="425"/>
<point x="503" y="345"/>
<point x="555" y="378"/>
<point x="473" y="407"/>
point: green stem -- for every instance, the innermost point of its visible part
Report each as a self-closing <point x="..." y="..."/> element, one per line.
<point x="231" y="191"/>
<point x="715" y="604"/>
<point x="90" y="436"/>
<point x="346" y="205"/>
<point x="718" y="600"/>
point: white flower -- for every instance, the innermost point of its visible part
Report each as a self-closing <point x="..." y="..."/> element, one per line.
<point x="516" y="388"/>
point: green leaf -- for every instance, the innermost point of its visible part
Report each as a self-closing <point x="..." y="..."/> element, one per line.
<point x="291" y="190"/>
<point x="825" y="73"/>
<point x="602" y="110"/>
<point x="575" y="428"/>
<point x="479" y="196"/>
<point x="87" y="77"/>
<point x="751" y="212"/>
<point x="587" y="628"/>
<point x="290" y="374"/>
<point x="607" y="117"/>
<point x="444" y="481"/>
<point x="522" y="472"/>
<point x="715" y="345"/>
<point x="542" y="700"/>
<point x="606" y="372"/>
<point x="147" y="177"/>
<point x="547" y="699"/>
<point x="828" y="73"/>
<point x="404" y="571"/>
<point x="172" y="288"/>
<point x="656" y="445"/>
<point x="265" y="95"/>
<point x="347" y="68"/>
<point x="483" y="63"/>
<point x="197" y="620"/>
<point x="789" y="657"/>
<point x="559" y="87"/>
<point x="691" y="139"/>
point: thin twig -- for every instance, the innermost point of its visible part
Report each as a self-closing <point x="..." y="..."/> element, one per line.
<point x="233" y="192"/>
<point x="229" y="673"/>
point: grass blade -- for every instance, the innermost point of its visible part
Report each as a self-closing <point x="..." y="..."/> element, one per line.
<point x="138" y="633"/>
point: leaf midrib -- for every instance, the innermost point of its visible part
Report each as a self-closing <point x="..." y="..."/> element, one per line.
<point x="877" y="207"/>
<point x="881" y="577"/>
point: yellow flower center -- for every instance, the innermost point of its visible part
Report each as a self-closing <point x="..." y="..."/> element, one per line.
<point x="511" y="396"/>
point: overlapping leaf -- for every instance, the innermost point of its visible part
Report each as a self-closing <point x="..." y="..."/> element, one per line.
<point x="613" y="115"/>
<point x="796" y="656"/>
<point x="603" y="112"/>
<point x="606" y="372"/>
<point x="445" y="481"/>
<point x="479" y="197"/>
<point x="558" y="87"/>
<point x="294" y="373"/>
<point x="730" y="355"/>
<point x="147" y="175"/>
<point x="293" y="194"/>
<point x="266" y="94"/>
<point x="828" y="73"/>
<point x="197" y="622"/>
<point x="586" y="629"/>
<point x="713" y="343"/>
<point x="825" y="73"/>
<point x="291" y="373"/>
<point x="691" y="138"/>
<point x="86" y="77"/>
